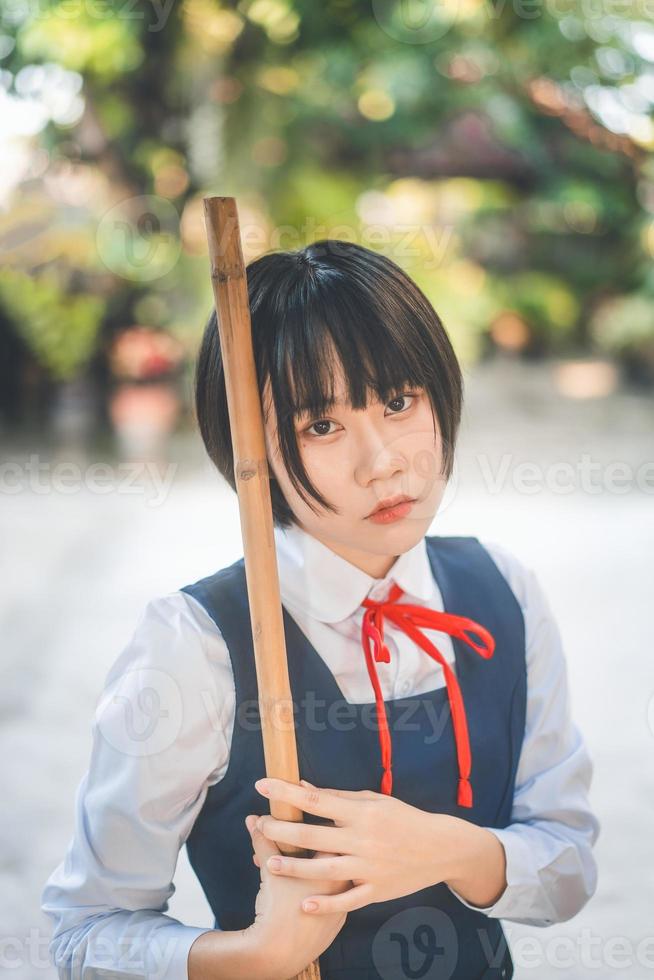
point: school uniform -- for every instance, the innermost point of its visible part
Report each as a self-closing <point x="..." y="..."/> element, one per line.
<point x="481" y="730"/>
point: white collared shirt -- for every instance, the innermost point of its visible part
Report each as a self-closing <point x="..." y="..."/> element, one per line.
<point x="145" y="786"/>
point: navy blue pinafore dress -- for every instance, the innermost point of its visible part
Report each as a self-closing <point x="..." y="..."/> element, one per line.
<point x="429" y="934"/>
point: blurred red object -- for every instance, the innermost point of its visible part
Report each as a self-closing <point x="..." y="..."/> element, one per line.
<point x="141" y="352"/>
<point x="143" y="416"/>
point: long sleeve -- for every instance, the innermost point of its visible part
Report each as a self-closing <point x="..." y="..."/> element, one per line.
<point x="550" y="868"/>
<point x="161" y="734"/>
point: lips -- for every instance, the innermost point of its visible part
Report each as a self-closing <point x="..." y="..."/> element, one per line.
<point x="391" y="502"/>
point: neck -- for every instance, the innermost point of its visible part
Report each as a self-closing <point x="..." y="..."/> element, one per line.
<point x="377" y="566"/>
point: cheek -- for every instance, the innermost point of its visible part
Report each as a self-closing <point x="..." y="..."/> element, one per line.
<point x="324" y="469"/>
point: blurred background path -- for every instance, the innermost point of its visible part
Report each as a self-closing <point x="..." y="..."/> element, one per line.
<point x="67" y="613"/>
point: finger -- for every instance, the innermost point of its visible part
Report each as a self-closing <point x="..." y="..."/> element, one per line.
<point x="346" y="794"/>
<point x="354" y="898"/>
<point x="263" y="848"/>
<point x="250" y="822"/>
<point x="305" y="835"/>
<point x="331" y="868"/>
<point x="310" y="799"/>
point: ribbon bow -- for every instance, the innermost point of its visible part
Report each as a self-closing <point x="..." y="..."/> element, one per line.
<point x="410" y="618"/>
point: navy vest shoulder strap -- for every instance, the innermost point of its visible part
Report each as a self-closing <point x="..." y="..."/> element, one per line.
<point x="472" y="585"/>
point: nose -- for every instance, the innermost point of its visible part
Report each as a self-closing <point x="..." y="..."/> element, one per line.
<point x="378" y="459"/>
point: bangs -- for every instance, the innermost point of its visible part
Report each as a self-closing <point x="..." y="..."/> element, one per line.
<point x="341" y="333"/>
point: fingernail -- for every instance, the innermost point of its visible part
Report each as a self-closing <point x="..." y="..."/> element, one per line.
<point x="262" y="787"/>
<point x="309" y="906"/>
<point x="305" y="782"/>
<point x="275" y="863"/>
<point x="249" y="822"/>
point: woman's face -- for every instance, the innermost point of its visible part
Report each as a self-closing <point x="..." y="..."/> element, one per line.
<point x="357" y="458"/>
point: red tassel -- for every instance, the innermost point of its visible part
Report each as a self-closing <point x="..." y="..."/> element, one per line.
<point x="409" y="618"/>
<point x="387" y="782"/>
<point x="384" y="655"/>
<point x="464" y="795"/>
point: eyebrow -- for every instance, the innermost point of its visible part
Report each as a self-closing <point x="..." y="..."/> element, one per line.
<point x="305" y="409"/>
<point x="300" y="410"/>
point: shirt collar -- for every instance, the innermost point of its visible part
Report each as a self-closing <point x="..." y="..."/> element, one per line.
<point x="326" y="586"/>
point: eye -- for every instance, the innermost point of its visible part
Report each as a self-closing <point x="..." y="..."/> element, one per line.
<point x="308" y="431"/>
<point x="401" y="398"/>
<point x="327" y="422"/>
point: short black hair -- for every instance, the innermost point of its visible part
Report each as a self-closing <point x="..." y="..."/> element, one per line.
<point x="339" y="297"/>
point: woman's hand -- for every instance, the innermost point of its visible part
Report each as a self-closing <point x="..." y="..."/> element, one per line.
<point x="384" y="847"/>
<point x="285" y="937"/>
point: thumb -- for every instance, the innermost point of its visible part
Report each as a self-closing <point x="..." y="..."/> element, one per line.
<point x="263" y="849"/>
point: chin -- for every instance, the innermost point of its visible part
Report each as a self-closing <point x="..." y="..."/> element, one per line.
<point x="399" y="536"/>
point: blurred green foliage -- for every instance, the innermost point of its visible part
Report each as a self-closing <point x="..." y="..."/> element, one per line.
<point x="501" y="153"/>
<point x="60" y="329"/>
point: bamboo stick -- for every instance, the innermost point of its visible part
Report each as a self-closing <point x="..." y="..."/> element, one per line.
<point x="251" y="474"/>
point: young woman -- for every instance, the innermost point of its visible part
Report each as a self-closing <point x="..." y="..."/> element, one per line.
<point x="445" y="784"/>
